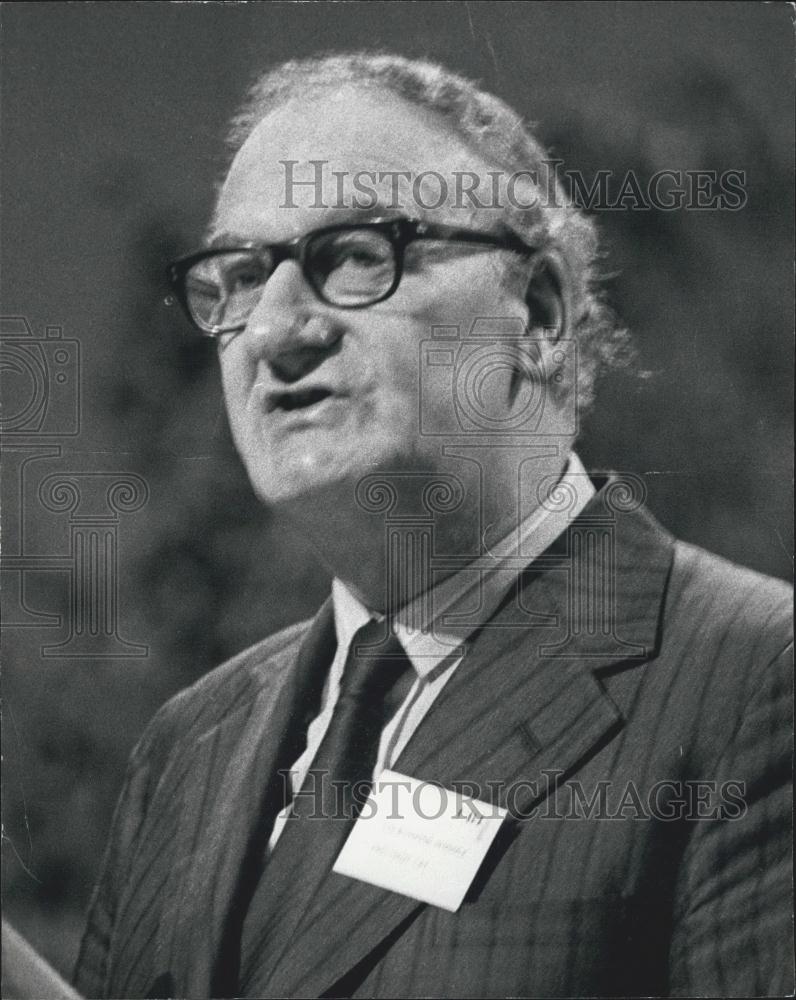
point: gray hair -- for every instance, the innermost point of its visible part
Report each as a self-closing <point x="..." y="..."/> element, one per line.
<point x="488" y="125"/>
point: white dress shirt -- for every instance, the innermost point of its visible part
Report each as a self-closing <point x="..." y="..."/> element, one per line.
<point x="434" y="648"/>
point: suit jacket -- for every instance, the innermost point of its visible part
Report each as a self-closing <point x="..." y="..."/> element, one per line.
<point x="635" y="715"/>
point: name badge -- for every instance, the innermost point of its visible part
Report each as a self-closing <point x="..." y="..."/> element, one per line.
<point x="420" y="840"/>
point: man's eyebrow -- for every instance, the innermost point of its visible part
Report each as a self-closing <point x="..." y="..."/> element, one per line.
<point x="225" y="238"/>
<point x="381" y="210"/>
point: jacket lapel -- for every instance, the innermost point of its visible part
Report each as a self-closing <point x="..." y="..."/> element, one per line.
<point x="525" y="703"/>
<point x="234" y="790"/>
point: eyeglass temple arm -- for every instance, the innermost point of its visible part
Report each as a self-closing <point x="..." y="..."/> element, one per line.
<point x="509" y="241"/>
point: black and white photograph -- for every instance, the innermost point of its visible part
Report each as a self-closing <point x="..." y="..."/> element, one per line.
<point x="397" y="499"/>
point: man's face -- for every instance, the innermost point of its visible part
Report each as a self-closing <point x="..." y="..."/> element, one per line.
<point x="320" y="396"/>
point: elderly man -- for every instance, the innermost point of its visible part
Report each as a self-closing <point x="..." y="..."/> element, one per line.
<point x="407" y="329"/>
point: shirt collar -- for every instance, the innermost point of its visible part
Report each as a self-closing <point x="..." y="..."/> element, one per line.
<point x="427" y="627"/>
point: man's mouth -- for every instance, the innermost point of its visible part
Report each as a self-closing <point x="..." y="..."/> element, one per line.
<point x="297" y="399"/>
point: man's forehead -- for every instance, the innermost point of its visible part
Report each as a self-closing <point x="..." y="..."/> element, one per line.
<point x="347" y="123"/>
<point x="348" y="154"/>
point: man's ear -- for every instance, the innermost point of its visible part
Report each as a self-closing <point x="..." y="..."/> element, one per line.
<point x="548" y="297"/>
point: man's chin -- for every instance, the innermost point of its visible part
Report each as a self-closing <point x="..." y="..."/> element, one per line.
<point x="306" y="490"/>
<point x="312" y="480"/>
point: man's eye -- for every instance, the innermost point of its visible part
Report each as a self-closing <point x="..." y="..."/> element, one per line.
<point x="362" y="256"/>
<point x="244" y="279"/>
<point x="353" y="251"/>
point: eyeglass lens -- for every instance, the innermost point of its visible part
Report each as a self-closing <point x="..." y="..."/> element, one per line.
<point x="348" y="267"/>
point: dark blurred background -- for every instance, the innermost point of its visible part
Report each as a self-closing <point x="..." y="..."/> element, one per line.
<point x="111" y="148"/>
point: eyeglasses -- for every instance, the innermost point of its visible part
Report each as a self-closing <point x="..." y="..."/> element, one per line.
<point x="349" y="266"/>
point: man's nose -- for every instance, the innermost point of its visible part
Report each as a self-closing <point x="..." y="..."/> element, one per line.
<point x="289" y="328"/>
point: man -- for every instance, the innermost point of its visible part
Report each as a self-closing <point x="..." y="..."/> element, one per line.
<point x="407" y="325"/>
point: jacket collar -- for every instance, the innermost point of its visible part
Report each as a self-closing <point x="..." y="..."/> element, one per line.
<point x="226" y="815"/>
<point x="526" y="701"/>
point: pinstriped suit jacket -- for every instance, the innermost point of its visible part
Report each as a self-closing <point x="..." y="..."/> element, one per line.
<point x="620" y="873"/>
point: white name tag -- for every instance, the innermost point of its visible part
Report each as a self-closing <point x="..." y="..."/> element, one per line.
<point x="420" y="840"/>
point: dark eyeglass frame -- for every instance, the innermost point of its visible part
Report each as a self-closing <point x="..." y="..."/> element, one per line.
<point x="401" y="232"/>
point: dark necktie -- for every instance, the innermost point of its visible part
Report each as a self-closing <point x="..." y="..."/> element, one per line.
<point x="326" y="806"/>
